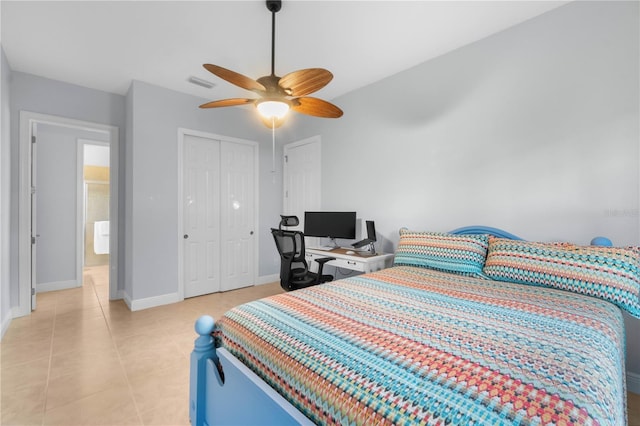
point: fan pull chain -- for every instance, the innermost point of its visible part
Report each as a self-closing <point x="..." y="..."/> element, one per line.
<point x="273" y="145"/>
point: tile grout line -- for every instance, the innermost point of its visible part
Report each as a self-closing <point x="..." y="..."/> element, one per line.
<point x="46" y="386"/>
<point x="120" y="361"/>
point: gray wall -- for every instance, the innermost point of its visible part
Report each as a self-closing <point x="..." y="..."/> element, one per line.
<point x="56" y="207"/>
<point x="127" y="167"/>
<point x="41" y="95"/>
<point x="148" y="119"/>
<point x="152" y="177"/>
<point x="534" y="130"/>
<point x="5" y="191"/>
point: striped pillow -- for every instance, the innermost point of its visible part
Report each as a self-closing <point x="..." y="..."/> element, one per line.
<point x="609" y="273"/>
<point x="462" y="254"/>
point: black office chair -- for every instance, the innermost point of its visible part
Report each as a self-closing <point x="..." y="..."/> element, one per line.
<point x="294" y="270"/>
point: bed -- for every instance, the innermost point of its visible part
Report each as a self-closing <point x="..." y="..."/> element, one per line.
<point x="474" y="326"/>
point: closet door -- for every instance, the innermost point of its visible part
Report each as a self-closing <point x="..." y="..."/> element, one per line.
<point x="238" y="210"/>
<point x="219" y="214"/>
<point x="201" y="215"/>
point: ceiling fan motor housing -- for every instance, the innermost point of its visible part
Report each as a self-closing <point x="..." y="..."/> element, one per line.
<point x="275" y="91"/>
<point x="274" y="5"/>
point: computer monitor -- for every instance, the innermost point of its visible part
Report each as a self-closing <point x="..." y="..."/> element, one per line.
<point x="330" y="224"/>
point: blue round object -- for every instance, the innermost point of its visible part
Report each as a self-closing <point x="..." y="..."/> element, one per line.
<point x="601" y="241"/>
<point x="204" y="325"/>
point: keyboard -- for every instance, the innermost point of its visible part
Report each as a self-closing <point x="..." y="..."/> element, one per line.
<point x="324" y="248"/>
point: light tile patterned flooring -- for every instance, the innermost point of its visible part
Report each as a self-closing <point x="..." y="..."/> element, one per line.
<point x="80" y="359"/>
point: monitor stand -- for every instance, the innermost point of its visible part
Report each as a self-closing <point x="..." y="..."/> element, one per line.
<point x="332" y="243"/>
<point x="371" y="251"/>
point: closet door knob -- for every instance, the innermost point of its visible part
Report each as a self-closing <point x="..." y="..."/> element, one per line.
<point x="186" y="236"/>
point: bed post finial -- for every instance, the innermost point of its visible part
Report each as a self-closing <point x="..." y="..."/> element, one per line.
<point x="203" y="350"/>
<point x="601" y="241"/>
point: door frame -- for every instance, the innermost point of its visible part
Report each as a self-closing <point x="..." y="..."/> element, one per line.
<point x="81" y="200"/>
<point x="27" y="121"/>
<point x="182" y="132"/>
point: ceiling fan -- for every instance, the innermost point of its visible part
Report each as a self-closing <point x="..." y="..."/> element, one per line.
<point x="279" y="94"/>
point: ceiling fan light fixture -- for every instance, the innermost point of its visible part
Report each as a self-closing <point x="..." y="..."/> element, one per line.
<point x="277" y="94"/>
<point x="270" y="108"/>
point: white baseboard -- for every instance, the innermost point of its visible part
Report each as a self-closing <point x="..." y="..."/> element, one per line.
<point x="151" y="302"/>
<point x="56" y="285"/>
<point x="268" y="279"/>
<point x="127" y="299"/>
<point x="21" y="311"/>
<point x="633" y="382"/>
<point x="6" y="322"/>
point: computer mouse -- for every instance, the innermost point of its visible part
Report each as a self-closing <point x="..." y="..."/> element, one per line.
<point x="350" y="252"/>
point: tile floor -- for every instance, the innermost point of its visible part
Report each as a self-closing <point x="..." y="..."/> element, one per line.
<point x="80" y="359"/>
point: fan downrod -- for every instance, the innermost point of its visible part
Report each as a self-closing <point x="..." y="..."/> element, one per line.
<point x="274" y="5"/>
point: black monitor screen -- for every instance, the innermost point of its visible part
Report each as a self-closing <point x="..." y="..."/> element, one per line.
<point x="330" y="224"/>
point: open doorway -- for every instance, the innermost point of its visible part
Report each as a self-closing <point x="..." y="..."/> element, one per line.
<point x="96" y="194"/>
<point x="40" y="226"/>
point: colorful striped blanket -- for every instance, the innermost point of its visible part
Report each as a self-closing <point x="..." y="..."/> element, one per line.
<point x="409" y="345"/>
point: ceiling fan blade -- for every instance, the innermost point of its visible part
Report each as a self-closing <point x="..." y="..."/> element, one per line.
<point x="316" y="107"/>
<point x="304" y="82"/>
<point x="227" y="103"/>
<point x="235" y="78"/>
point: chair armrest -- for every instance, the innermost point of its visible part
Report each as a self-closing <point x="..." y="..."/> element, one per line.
<point x="324" y="260"/>
<point x="321" y="263"/>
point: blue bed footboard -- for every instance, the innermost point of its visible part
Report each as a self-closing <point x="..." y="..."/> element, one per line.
<point x="223" y="391"/>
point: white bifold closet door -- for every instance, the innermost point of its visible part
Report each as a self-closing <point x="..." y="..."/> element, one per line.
<point x="219" y="215"/>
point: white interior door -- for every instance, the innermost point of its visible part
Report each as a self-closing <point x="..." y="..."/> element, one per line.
<point x="301" y="178"/>
<point x="238" y="215"/>
<point x="201" y="215"/>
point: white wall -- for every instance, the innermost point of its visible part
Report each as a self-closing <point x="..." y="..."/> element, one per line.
<point x="96" y="155"/>
<point x="534" y="130"/>
<point x="5" y="191"/>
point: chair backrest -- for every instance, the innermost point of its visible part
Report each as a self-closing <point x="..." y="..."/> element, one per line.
<point x="288" y="221"/>
<point x="291" y="240"/>
<point x="290" y="245"/>
<point x="285" y="242"/>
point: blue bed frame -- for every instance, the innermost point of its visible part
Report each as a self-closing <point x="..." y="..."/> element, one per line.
<point x="223" y="391"/>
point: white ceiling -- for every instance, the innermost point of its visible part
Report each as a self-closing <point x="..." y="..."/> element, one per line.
<point x="106" y="44"/>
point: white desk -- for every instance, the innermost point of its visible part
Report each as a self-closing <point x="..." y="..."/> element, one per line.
<point x="355" y="262"/>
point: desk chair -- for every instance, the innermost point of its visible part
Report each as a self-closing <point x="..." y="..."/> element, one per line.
<point x="294" y="270"/>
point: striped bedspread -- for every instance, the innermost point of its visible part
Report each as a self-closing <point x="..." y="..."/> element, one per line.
<point x="408" y="345"/>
